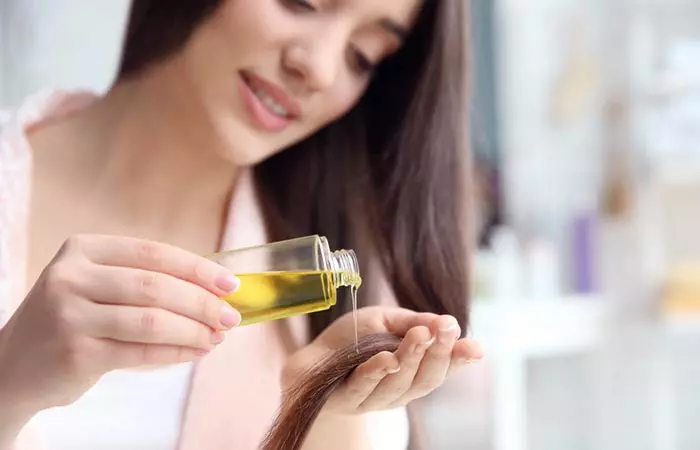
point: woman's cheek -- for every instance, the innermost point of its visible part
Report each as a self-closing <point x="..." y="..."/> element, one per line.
<point x="342" y="102"/>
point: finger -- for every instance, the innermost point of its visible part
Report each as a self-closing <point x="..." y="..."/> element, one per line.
<point x="436" y="362"/>
<point x="410" y="353"/>
<point x="468" y="349"/>
<point x="157" y="257"/>
<point x="151" y="326"/>
<point x="465" y="351"/>
<point x="124" y="355"/>
<point x="136" y="287"/>
<point x="363" y="380"/>
<point x="400" y="320"/>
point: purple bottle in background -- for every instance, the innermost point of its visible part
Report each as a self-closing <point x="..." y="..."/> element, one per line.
<point x="583" y="253"/>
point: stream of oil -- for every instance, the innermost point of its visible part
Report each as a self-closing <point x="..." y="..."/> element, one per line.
<point x="353" y="294"/>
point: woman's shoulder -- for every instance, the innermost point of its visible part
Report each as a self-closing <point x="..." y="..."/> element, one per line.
<point x="16" y="123"/>
<point x="42" y="105"/>
<point x="15" y="183"/>
<point x="15" y="151"/>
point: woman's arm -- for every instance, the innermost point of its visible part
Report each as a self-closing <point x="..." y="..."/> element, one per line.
<point x="15" y="413"/>
<point x="338" y="432"/>
<point x="12" y="423"/>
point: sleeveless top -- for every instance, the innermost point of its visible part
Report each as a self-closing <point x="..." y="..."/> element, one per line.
<point x="149" y="409"/>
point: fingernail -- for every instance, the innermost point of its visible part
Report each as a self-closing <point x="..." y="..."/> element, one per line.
<point x="423" y="346"/>
<point x="449" y="324"/>
<point x="462" y="362"/>
<point x="447" y="331"/>
<point x="229" y="317"/>
<point x="227" y="283"/>
<point x="217" y="337"/>
<point x="392" y="370"/>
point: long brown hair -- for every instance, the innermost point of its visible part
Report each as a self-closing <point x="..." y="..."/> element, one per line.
<point x="388" y="179"/>
<point x="303" y="402"/>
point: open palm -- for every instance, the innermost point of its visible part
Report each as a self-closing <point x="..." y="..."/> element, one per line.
<point x="429" y="352"/>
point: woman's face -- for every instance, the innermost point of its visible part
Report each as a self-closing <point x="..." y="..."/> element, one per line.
<point x="269" y="73"/>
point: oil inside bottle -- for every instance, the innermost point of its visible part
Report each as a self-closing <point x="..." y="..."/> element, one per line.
<point x="265" y="296"/>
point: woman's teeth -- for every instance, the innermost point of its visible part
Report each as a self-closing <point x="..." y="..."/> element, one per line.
<point x="270" y="103"/>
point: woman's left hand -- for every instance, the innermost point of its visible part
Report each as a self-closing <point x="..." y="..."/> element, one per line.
<point x="429" y="352"/>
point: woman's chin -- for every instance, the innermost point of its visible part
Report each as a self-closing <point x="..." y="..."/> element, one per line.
<point x="241" y="145"/>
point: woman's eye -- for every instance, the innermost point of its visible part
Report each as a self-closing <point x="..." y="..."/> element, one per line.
<point x="362" y="63"/>
<point x="300" y="4"/>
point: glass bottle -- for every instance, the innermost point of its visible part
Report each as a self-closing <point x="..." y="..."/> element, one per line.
<point x="288" y="278"/>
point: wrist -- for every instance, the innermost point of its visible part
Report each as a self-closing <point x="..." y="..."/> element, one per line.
<point x="329" y="414"/>
<point x="15" y="414"/>
<point x="18" y="407"/>
<point x="347" y="430"/>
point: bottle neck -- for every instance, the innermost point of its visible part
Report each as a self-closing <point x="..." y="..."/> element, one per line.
<point x="345" y="268"/>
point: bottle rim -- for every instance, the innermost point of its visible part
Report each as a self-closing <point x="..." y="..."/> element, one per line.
<point x="343" y="264"/>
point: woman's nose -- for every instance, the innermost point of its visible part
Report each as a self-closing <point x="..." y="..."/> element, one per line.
<point x="315" y="63"/>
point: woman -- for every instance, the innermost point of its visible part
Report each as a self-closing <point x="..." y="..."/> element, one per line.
<point x="233" y="123"/>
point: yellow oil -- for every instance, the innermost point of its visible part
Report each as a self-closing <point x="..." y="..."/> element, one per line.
<point x="353" y="294"/>
<point x="268" y="296"/>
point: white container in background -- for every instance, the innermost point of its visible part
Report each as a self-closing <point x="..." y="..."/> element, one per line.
<point x="508" y="266"/>
<point x="543" y="272"/>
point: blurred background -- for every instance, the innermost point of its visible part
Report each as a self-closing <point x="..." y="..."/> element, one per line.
<point x="586" y="135"/>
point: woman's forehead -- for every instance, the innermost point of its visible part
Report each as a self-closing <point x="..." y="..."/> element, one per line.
<point x="402" y="12"/>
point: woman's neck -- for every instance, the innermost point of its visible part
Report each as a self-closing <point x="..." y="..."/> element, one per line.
<point x="139" y="156"/>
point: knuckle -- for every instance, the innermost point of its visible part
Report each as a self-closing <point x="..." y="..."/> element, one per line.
<point x="144" y="354"/>
<point x="201" y="272"/>
<point x="149" y="254"/>
<point x="148" y="323"/>
<point x="159" y="354"/>
<point x="207" y="310"/>
<point x="150" y="287"/>
<point x="61" y="277"/>
<point x="134" y="355"/>
<point x="74" y="243"/>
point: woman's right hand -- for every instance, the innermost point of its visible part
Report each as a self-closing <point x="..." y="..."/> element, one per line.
<point x="106" y="303"/>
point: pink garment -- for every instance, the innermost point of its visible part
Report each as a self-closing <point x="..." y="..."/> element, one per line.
<point x="234" y="392"/>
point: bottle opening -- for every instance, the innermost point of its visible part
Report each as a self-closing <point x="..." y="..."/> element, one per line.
<point x="345" y="268"/>
<point x="342" y="264"/>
